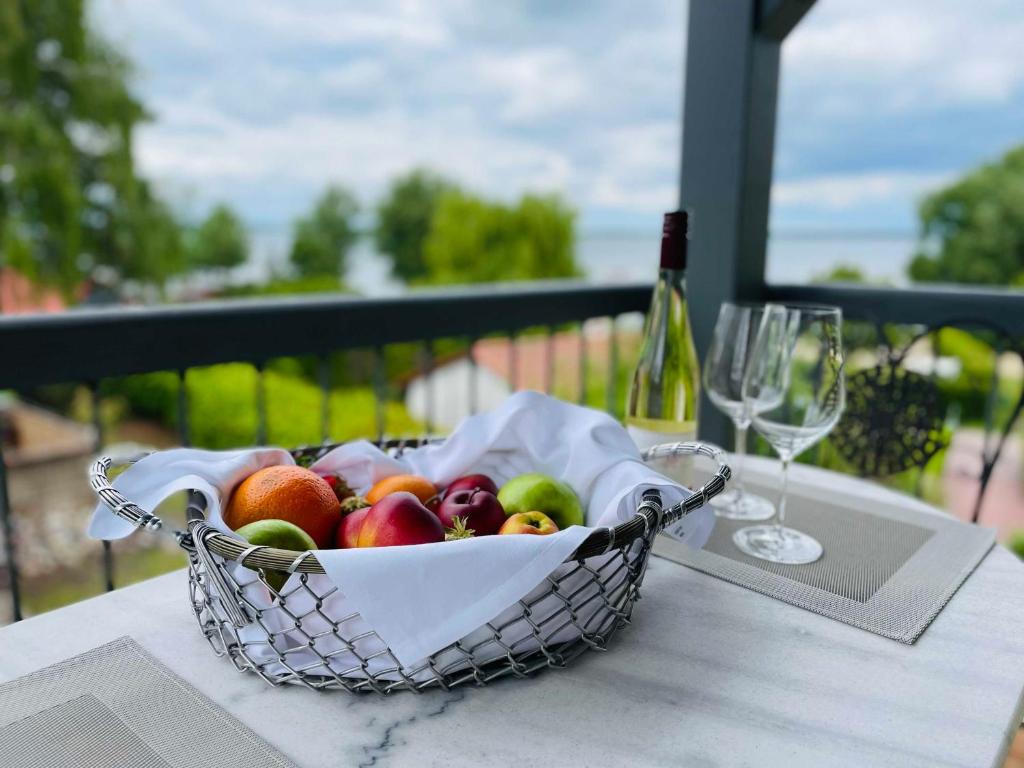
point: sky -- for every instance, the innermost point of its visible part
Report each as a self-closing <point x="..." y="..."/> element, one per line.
<point x="260" y="104"/>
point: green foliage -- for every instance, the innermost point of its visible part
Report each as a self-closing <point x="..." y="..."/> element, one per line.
<point x="148" y="246"/>
<point x="69" y="195"/>
<point x="222" y="410"/>
<point x="856" y="334"/>
<point x="979" y="225"/>
<point x="287" y="287"/>
<point x="404" y="217"/>
<point x="969" y="391"/>
<point x="1016" y="543"/>
<point x="86" y="580"/>
<point x="474" y="241"/>
<point x="149" y="395"/>
<point x="842" y="273"/>
<point x="322" y="240"/>
<point x="220" y="242"/>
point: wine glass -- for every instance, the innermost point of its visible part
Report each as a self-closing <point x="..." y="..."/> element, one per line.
<point x="795" y="391"/>
<point x="724" y="369"/>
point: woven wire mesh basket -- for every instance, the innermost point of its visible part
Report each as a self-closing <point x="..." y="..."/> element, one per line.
<point x="298" y="636"/>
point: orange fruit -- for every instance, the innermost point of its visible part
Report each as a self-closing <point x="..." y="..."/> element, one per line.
<point x="419" y="487"/>
<point x="290" y="493"/>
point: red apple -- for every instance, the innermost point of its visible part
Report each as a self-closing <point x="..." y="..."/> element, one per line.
<point x="347" y="536"/>
<point x="480" y="510"/>
<point x="399" y="519"/>
<point x="529" y="522"/>
<point x="473" y="482"/>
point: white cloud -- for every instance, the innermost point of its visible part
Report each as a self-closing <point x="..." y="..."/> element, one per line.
<point x="355" y="77"/>
<point x="403" y="22"/>
<point x="906" y="55"/>
<point x="636" y="168"/>
<point x="582" y="98"/>
<point x="532" y="83"/>
<point x="359" y="93"/>
<point x="171" y="21"/>
<point x="195" y="146"/>
<point x="844" y="191"/>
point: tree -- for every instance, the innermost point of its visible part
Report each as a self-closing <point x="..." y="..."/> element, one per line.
<point x="403" y="221"/>
<point x="473" y="241"/>
<point x="842" y="273"/>
<point x="978" y="223"/>
<point x="857" y="334"/>
<point x="220" y="242"/>
<point x="322" y="240"/>
<point x="69" y="194"/>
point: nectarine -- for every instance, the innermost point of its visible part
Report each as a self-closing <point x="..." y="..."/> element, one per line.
<point x="348" y="532"/>
<point x="399" y="519"/>
<point x="420" y="487"/>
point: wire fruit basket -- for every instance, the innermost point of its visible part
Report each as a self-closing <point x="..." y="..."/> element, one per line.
<point x="293" y="636"/>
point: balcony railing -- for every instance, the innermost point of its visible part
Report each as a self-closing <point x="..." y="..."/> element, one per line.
<point x="86" y="347"/>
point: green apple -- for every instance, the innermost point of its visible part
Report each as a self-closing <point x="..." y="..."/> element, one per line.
<point x="279" y="534"/>
<point x="534" y="492"/>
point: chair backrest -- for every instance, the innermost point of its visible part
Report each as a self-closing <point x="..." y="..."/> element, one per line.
<point x="895" y="417"/>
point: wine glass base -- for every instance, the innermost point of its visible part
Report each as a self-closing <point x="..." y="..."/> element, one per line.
<point x="740" y="505"/>
<point x="777" y="544"/>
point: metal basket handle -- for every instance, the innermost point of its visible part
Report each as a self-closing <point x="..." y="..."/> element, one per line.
<point x="714" y="486"/>
<point x="650" y="516"/>
<point x="116" y="501"/>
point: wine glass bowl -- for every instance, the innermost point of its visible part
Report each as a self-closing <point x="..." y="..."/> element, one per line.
<point x="724" y="371"/>
<point x="795" y="392"/>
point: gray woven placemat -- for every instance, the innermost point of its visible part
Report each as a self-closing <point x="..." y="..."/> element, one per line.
<point x="886" y="570"/>
<point x="114" y="707"/>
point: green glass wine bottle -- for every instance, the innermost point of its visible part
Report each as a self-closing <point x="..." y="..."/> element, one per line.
<point x="665" y="391"/>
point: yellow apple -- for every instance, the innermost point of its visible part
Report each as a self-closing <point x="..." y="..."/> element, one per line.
<point x="529" y="522"/>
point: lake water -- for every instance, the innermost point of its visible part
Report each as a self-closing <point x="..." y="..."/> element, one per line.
<point x="625" y="257"/>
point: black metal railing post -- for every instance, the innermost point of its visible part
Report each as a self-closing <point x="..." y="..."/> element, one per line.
<point x="612" y="385"/>
<point x="324" y="379"/>
<point x="426" y="355"/>
<point x="10" y="548"/>
<point x="261" y="403"/>
<point x="513" y="361"/>
<point x="473" y="373"/>
<point x="581" y="364"/>
<point x="184" y="434"/>
<point x="98" y="443"/>
<point x="380" y="393"/>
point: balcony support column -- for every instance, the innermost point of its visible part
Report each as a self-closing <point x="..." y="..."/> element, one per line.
<point x="728" y="141"/>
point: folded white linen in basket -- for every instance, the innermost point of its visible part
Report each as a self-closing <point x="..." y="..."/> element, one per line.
<point x="421" y="598"/>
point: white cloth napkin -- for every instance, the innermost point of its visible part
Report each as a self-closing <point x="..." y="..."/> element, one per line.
<point x="420" y="599"/>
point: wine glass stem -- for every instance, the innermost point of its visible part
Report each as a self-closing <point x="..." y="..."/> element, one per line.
<point x="780" y="512"/>
<point x="739" y="453"/>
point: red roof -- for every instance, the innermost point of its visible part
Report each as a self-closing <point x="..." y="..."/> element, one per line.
<point x="20" y="296"/>
<point x="532" y="357"/>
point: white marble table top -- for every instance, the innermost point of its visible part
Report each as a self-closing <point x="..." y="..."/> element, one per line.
<point x="709" y="674"/>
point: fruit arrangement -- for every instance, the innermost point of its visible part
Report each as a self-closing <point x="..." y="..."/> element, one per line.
<point x="290" y="507"/>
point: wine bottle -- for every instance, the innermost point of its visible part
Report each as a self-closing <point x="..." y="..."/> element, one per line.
<point x="663" y="397"/>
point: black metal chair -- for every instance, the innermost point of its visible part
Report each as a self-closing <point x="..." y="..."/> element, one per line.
<point x="895" y="420"/>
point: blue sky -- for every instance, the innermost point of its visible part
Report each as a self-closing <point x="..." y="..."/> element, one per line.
<point x="262" y="103"/>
